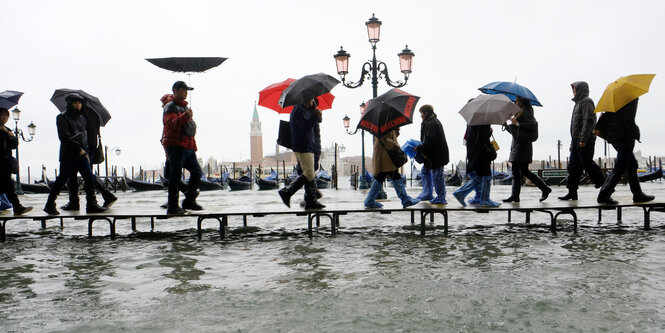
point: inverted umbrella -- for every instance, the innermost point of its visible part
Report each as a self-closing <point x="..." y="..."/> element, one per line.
<point x="510" y="89"/>
<point x="488" y="110"/>
<point x="623" y="90"/>
<point x="91" y="102"/>
<point x="388" y="112"/>
<point x="187" y="64"/>
<point x="9" y="98"/>
<point x="269" y="97"/>
<point x="307" y="88"/>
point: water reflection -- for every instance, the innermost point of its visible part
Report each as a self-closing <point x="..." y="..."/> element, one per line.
<point x="181" y="258"/>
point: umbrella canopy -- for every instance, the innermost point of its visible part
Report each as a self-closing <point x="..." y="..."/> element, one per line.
<point x="187" y="64"/>
<point x="91" y="102"/>
<point x="9" y="98"/>
<point x="488" y="110"/>
<point x="388" y="112"/>
<point x="623" y="90"/>
<point x="306" y="88"/>
<point x="510" y="89"/>
<point x="269" y="97"/>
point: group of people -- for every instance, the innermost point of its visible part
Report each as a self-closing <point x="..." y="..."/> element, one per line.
<point x="80" y="140"/>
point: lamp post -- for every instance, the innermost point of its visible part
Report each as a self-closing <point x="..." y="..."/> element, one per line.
<point x="341" y="149"/>
<point x="32" y="129"/>
<point x="117" y="151"/>
<point x="347" y="123"/>
<point x="372" y="70"/>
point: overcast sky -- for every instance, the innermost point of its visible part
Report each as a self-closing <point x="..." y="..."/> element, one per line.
<point x="100" y="47"/>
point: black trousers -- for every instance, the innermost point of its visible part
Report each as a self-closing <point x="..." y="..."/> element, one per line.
<point x="521" y="169"/>
<point x="581" y="159"/>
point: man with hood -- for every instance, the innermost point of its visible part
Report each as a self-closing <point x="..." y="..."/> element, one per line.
<point x="434" y="149"/>
<point x="74" y="155"/>
<point x="582" y="141"/>
<point x="180" y="146"/>
<point x="94" y="141"/>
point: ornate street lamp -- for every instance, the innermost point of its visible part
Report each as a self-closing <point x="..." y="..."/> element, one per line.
<point x="32" y="130"/>
<point x="372" y="70"/>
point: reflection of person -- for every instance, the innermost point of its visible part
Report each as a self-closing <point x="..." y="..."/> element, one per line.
<point x="304" y="118"/>
<point x="434" y="150"/>
<point x="93" y="124"/>
<point x="8" y="142"/>
<point x="74" y="155"/>
<point x="621" y="131"/>
<point x="524" y="130"/>
<point x="582" y="141"/>
<point x="478" y="166"/>
<point x="384" y="168"/>
<point x="180" y="145"/>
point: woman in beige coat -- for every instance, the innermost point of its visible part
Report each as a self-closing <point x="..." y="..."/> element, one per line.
<point x="384" y="168"/>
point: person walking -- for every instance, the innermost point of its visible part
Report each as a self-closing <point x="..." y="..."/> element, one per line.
<point x="96" y="157"/>
<point x="582" y="142"/>
<point x="524" y="129"/>
<point x="434" y="150"/>
<point x="620" y="130"/>
<point x="9" y="142"/>
<point x="303" y="120"/>
<point x="74" y="155"/>
<point x="383" y="168"/>
<point x="180" y="146"/>
<point x="478" y="165"/>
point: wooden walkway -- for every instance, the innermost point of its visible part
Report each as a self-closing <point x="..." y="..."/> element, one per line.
<point x="334" y="211"/>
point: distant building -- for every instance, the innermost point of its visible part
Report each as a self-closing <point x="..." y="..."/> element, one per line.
<point x="256" y="139"/>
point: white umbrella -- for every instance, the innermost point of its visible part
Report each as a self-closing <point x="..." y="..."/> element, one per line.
<point x="488" y="110"/>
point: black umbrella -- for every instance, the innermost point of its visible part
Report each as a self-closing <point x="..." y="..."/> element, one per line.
<point x="388" y="111"/>
<point x="307" y="88"/>
<point x="9" y="98"/>
<point x="187" y="64"/>
<point x="91" y="102"/>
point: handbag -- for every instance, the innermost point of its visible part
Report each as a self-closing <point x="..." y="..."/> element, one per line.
<point x="189" y="129"/>
<point x="397" y="156"/>
<point x="98" y="156"/>
<point x="527" y="132"/>
<point x="284" y="134"/>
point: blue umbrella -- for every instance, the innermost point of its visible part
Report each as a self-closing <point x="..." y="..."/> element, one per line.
<point x="408" y="146"/>
<point x="510" y="89"/>
<point x="9" y="98"/>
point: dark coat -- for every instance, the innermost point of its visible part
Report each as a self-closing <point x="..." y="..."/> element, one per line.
<point x="174" y="118"/>
<point x="620" y="126"/>
<point x="434" y="147"/>
<point x="93" y="124"/>
<point x="477" y="141"/>
<point x="7" y="144"/>
<point x="303" y="121"/>
<point x="521" y="150"/>
<point x="583" y="119"/>
<point x="73" y="134"/>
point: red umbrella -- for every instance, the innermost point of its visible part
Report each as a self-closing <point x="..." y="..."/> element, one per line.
<point x="269" y="97"/>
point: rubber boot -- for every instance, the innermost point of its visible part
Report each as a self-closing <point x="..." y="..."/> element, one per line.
<point x="426" y="179"/>
<point x="49" y="207"/>
<point x="471" y="184"/>
<point x="439" y="186"/>
<point x="310" y="196"/>
<point x="605" y="193"/>
<point x="636" y="189"/>
<point x="16" y="204"/>
<point x="190" y="201"/>
<point x="91" y="205"/>
<point x="407" y="201"/>
<point x="516" y="188"/>
<point x="288" y="191"/>
<point x="370" y="200"/>
<point x="109" y="198"/>
<point x="572" y="195"/>
<point x="73" y="188"/>
<point x="486" y="184"/>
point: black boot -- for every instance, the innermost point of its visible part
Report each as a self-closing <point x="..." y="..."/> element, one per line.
<point x="516" y="188"/>
<point x="572" y="195"/>
<point x="604" y="195"/>
<point x="288" y="191"/>
<point x="109" y="198"/>
<point x="91" y="206"/>
<point x="16" y="204"/>
<point x="636" y="189"/>
<point x="190" y="201"/>
<point x="72" y="205"/>
<point x="310" y="196"/>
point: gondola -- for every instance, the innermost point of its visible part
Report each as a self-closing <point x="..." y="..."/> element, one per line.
<point x="140" y="185"/>
<point x="265" y="184"/>
<point x="239" y="184"/>
<point x="207" y="185"/>
<point x="649" y="176"/>
<point x="454" y="180"/>
<point x="35" y="188"/>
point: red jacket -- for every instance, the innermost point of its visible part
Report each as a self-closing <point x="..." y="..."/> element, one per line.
<point x="174" y="118"/>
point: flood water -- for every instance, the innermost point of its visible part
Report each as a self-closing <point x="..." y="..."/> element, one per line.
<point x="377" y="275"/>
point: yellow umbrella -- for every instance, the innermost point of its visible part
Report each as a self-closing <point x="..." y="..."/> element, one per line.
<point x="623" y="90"/>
